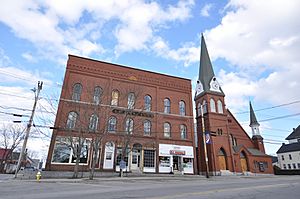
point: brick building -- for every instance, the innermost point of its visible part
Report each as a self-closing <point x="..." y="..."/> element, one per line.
<point x="141" y="117"/>
<point x="229" y="147"/>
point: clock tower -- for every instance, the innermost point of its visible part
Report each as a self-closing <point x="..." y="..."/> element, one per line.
<point x="211" y="116"/>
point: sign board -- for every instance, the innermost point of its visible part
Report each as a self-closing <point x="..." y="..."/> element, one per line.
<point x="122" y="164"/>
<point x="170" y="149"/>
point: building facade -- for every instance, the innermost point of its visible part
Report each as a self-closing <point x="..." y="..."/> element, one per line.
<point x="289" y="154"/>
<point x="223" y="145"/>
<point x="114" y="114"/>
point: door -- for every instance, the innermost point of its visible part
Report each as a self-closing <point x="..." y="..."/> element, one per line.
<point x="177" y="165"/>
<point x="222" y="162"/>
<point x="136" y="159"/>
<point x="244" y="164"/>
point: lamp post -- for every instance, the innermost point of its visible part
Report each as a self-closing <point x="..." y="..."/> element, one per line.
<point x="204" y="141"/>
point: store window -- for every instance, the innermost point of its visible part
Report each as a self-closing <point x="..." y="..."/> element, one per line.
<point x="77" y="89"/>
<point x="187" y="163"/>
<point x="164" y="161"/>
<point x="119" y="156"/>
<point x="83" y="158"/>
<point x="147" y="102"/>
<point x="149" y="158"/>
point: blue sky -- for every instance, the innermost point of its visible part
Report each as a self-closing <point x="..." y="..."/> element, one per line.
<point x="254" y="46"/>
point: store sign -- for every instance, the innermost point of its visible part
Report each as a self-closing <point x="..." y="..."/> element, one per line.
<point x="132" y="112"/>
<point x="177" y="152"/>
<point x="170" y="149"/>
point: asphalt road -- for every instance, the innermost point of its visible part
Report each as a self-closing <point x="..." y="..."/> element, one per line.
<point x="275" y="187"/>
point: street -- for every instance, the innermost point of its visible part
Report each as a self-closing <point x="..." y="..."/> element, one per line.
<point x="275" y="187"/>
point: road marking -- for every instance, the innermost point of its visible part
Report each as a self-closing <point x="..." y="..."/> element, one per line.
<point x="184" y="195"/>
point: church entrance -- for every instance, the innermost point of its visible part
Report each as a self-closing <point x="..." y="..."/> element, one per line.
<point x="222" y="159"/>
<point x="244" y="165"/>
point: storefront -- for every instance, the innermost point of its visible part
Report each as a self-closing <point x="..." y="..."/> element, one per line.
<point x="176" y="158"/>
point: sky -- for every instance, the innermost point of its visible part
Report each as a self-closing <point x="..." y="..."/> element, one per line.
<point x="253" y="45"/>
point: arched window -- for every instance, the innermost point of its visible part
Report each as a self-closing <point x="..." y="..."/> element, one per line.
<point x="93" y="122"/>
<point x="147" y="127"/>
<point x="167" y="130"/>
<point x="147" y="102"/>
<point x="183" y="131"/>
<point x="167" y="105"/>
<point x="71" y="121"/>
<point x="115" y="98"/>
<point x="97" y="95"/>
<point x="77" y="89"/>
<point x="199" y="109"/>
<point x="204" y="106"/>
<point x="131" y="101"/>
<point x="212" y="105"/>
<point x="112" y="124"/>
<point x="129" y="126"/>
<point x="220" y="106"/>
<point x="181" y="108"/>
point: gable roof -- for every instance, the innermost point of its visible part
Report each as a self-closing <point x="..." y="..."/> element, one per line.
<point x="295" y="134"/>
<point x="289" y="147"/>
<point x="252" y="151"/>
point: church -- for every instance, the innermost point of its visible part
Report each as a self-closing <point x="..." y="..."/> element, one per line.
<point x="224" y="148"/>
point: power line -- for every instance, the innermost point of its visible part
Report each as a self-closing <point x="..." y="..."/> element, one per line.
<point x="271" y="107"/>
<point x="14" y="114"/>
<point x="280" y="117"/>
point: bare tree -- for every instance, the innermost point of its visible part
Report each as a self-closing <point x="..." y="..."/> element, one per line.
<point x="11" y="135"/>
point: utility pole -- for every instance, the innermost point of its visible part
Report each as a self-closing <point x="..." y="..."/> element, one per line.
<point x="204" y="140"/>
<point x="36" y="98"/>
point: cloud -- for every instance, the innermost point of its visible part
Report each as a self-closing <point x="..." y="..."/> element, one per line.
<point x="262" y="48"/>
<point x="57" y="29"/>
<point x="205" y="10"/>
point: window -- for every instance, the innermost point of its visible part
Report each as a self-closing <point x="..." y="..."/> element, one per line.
<point x="298" y="165"/>
<point x="71" y="122"/>
<point x="83" y="158"/>
<point x="97" y="95"/>
<point x="93" y="122"/>
<point x="77" y="89"/>
<point x="115" y="98"/>
<point x="220" y="106"/>
<point x="130" y="101"/>
<point x="204" y="107"/>
<point x="182" y="108"/>
<point x="294" y="166"/>
<point x="219" y="131"/>
<point x="112" y="124"/>
<point x="119" y="156"/>
<point x="289" y="166"/>
<point x="149" y="158"/>
<point x="167" y="130"/>
<point x="167" y="105"/>
<point x="212" y="105"/>
<point x="183" y="131"/>
<point x="147" y="127"/>
<point x="284" y="166"/>
<point x="199" y="109"/>
<point x="290" y="156"/>
<point x="129" y="126"/>
<point x="147" y="102"/>
<point x="282" y="157"/>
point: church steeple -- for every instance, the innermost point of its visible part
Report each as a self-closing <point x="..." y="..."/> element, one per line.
<point x="207" y="81"/>
<point x="253" y="122"/>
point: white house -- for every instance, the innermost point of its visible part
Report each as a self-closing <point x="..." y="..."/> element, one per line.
<point x="289" y="154"/>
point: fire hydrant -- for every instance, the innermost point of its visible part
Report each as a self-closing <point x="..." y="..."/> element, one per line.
<point x="38" y="176"/>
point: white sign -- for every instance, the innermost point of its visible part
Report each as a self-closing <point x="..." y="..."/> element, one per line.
<point x="170" y="149"/>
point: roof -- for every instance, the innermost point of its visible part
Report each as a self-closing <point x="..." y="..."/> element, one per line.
<point x="206" y="72"/>
<point x="253" y="120"/>
<point x="274" y="159"/>
<point x="253" y="151"/>
<point x="289" y="147"/>
<point x="295" y="134"/>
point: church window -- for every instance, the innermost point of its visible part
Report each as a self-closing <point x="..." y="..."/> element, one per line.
<point x="204" y="107"/>
<point x="212" y="105"/>
<point x="220" y="106"/>
<point x="199" y="109"/>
